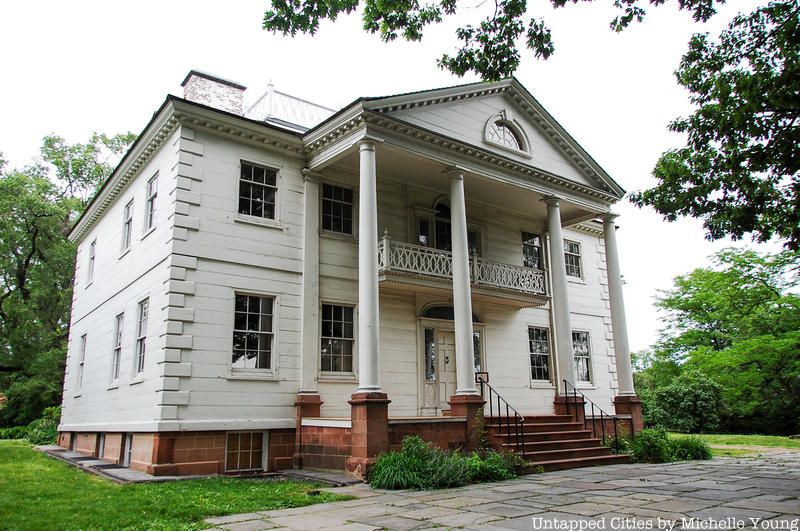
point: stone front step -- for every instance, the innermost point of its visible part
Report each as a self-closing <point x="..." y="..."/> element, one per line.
<point x="543" y="446"/>
<point x="566" y="453"/>
<point x="564" y="464"/>
<point x="544" y="436"/>
<point x="539" y="426"/>
<point x="534" y="419"/>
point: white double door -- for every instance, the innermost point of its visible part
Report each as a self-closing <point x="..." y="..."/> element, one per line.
<point x="439" y="363"/>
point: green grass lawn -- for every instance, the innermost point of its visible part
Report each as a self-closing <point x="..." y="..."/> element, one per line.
<point x="38" y="492"/>
<point x="718" y="442"/>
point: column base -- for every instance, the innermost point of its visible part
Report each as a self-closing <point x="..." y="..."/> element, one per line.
<point x="306" y="405"/>
<point x="369" y="415"/>
<point x="469" y="406"/>
<point x="571" y="405"/>
<point x="630" y="405"/>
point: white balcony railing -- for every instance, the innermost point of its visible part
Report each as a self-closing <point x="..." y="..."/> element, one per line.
<point x="407" y="258"/>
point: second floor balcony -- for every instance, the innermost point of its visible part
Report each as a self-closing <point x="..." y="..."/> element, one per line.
<point x="415" y="268"/>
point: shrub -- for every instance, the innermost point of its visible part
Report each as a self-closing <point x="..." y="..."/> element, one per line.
<point x="44" y="430"/>
<point x="494" y="466"/>
<point x="620" y="445"/>
<point x="690" y="404"/>
<point x="651" y="445"/>
<point x="14" y="432"/>
<point x="690" y="448"/>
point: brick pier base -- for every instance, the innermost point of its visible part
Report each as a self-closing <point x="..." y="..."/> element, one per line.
<point x="468" y="406"/>
<point x="306" y="405"/>
<point x="369" y="413"/>
<point x="571" y="405"/>
<point x="630" y="405"/>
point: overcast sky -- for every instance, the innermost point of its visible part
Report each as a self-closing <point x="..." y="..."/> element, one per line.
<point x="75" y="67"/>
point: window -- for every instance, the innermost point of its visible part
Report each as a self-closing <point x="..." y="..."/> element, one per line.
<point x="90" y="268"/>
<point x="539" y="348"/>
<point x="442" y="237"/>
<point x="337" y="338"/>
<point x="81" y="360"/>
<point x="532" y="251"/>
<point x="141" y="335"/>
<point x="501" y="133"/>
<point x="150" y="206"/>
<point x="337" y="209"/>
<point x="245" y="451"/>
<point x="580" y="348"/>
<point x="258" y="189"/>
<point x="127" y="449"/>
<point x="430" y="354"/>
<point x="116" y="353"/>
<point x="127" y="225"/>
<point x="572" y="258"/>
<point x="252" y="332"/>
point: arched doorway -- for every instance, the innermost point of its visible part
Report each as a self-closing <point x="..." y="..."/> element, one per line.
<point x="437" y="356"/>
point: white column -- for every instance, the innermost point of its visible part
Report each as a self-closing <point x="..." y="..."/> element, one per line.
<point x="560" y="303"/>
<point x="310" y="339"/>
<point x="462" y="292"/>
<point x="619" y="326"/>
<point x="368" y="332"/>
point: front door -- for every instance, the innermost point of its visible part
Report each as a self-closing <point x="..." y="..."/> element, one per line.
<point x="446" y="345"/>
<point x="439" y="365"/>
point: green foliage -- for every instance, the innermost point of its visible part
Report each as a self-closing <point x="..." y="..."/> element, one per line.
<point x="739" y="169"/>
<point x="620" y="445"/>
<point x="44" y="430"/>
<point x="14" y="432"/>
<point x="38" y="205"/>
<point x="652" y="445"/>
<point x="691" y="448"/>
<point x="490" y="49"/>
<point x="690" y="404"/>
<point x="42" y="493"/>
<point x="736" y="324"/>
<point x="420" y="465"/>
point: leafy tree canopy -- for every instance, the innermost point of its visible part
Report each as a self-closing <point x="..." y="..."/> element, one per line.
<point x="490" y="49"/>
<point x="740" y="168"/>
<point x="37" y="206"/>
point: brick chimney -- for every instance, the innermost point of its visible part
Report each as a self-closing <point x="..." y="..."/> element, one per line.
<point x="213" y="91"/>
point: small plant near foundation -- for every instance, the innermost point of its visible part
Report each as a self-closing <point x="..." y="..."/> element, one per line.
<point x="652" y="445"/>
<point x="619" y="446"/>
<point x="420" y="465"/>
<point x="481" y="433"/>
<point x="690" y="448"/>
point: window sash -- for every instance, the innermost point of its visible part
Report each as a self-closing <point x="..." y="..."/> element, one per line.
<point x="532" y="250"/>
<point x="90" y="270"/>
<point x="337" y="338"/>
<point x="141" y="335"/>
<point x="127" y="226"/>
<point x="582" y="353"/>
<point x="539" y="349"/>
<point x="572" y="258"/>
<point x="150" y="209"/>
<point x="258" y="190"/>
<point x="253" y="332"/>
<point x="337" y="209"/>
<point x="117" y="349"/>
<point x="244" y="451"/>
<point x="81" y="360"/>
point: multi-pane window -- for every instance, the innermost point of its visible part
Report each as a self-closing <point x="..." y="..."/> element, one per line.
<point x="581" y="350"/>
<point x="150" y="202"/>
<point x="81" y="360"/>
<point x="572" y="258"/>
<point x="532" y="250"/>
<point x="252" y="332"/>
<point x="501" y="133"/>
<point x="258" y="188"/>
<point x="539" y="348"/>
<point x="337" y="338"/>
<point x="116" y="354"/>
<point x="245" y="451"/>
<point x="430" y="354"/>
<point x="141" y="335"/>
<point x="337" y="209"/>
<point x="127" y="225"/>
<point x="90" y="267"/>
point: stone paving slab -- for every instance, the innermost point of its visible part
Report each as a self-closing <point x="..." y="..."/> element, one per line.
<point x="767" y="488"/>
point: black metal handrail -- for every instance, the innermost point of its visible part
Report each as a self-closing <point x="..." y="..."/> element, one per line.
<point x="494" y="398"/>
<point x="603" y="414"/>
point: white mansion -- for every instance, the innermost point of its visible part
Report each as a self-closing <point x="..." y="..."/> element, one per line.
<point x="246" y="273"/>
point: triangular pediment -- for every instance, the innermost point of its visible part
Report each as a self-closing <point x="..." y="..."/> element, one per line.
<point x="528" y="133"/>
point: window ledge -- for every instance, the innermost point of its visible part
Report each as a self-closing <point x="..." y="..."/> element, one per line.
<point x="112" y="387"/>
<point x="261" y="222"/>
<point x="76" y="395"/>
<point x="587" y="386"/>
<point x="536" y="384"/>
<point x="253" y="376"/>
<point x="346" y="377"/>
<point x="576" y="280"/>
<point x="123" y="253"/>
<point x="88" y="284"/>
<point x="136" y="380"/>
<point x="148" y="232"/>
<point x="338" y="235"/>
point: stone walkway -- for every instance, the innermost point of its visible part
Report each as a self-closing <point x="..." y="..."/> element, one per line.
<point x="625" y="497"/>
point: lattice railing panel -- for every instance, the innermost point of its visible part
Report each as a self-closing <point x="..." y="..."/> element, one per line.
<point x="508" y="276"/>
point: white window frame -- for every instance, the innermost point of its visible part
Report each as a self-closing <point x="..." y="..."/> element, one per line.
<point x="127" y="227"/>
<point x="142" y="317"/>
<point x="549" y="343"/>
<point x="151" y="194"/>
<point x="588" y="357"/>
<point x="91" y="262"/>
<point x="273" y="361"/>
<point x="247" y="218"/>
<point x="116" y="348"/>
<point x="429" y="215"/>
<point x="524" y="233"/>
<point x="578" y="255"/>
<point x="81" y="361"/>
<point x="353" y="211"/>
<point x="507" y="120"/>
<point x="354" y="346"/>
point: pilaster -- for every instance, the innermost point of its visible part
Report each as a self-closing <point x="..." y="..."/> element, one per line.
<point x="369" y="431"/>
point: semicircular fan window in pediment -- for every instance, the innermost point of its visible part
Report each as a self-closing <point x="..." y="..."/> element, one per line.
<point x="501" y="133"/>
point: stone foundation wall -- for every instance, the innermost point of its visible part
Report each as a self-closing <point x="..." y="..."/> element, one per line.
<point x="112" y="450"/>
<point x="86" y="443"/>
<point x="325" y="447"/>
<point x="446" y="434"/>
<point x="280" y="452"/>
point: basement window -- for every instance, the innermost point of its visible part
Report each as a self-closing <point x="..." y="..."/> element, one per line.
<point x="244" y="451"/>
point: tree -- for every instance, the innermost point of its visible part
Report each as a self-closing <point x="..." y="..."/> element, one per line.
<point x="737" y="324"/>
<point x="490" y="49"/>
<point x="740" y="169"/>
<point x="37" y="207"/>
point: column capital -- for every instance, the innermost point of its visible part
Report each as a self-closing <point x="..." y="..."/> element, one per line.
<point x="367" y="144"/>
<point x="551" y="200"/>
<point x="608" y="217"/>
<point x="454" y="172"/>
<point x="310" y="175"/>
